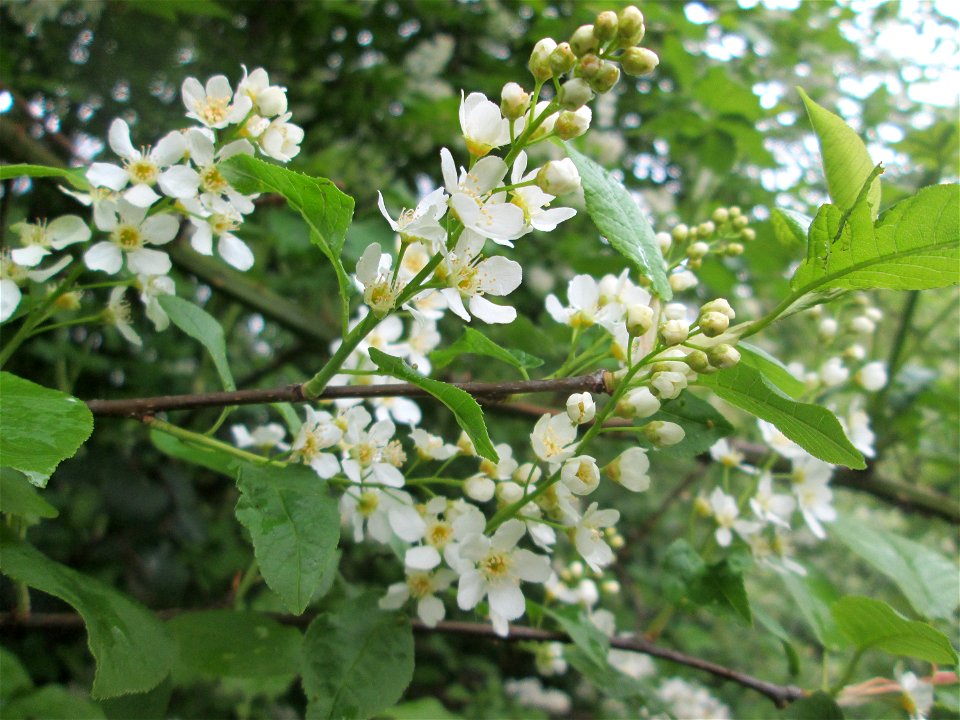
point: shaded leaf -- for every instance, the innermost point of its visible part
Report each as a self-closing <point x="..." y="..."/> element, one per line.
<point x="19" y="497"/>
<point x="812" y="599"/>
<point x="53" y="702"/>
<point x="474" y="342"/>
<point x="771" y="368"/>
<point x="202" y="327"/>
<point x="818" y="706"/>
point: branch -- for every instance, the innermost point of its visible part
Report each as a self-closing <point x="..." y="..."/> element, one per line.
<point x="780" y="695"/>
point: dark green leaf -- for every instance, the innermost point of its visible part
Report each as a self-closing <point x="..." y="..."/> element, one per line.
<point x="687" y="578"/>
<point x="39" y="427"/>
<point x="202" y="455"/>
<point x="53" y="702"/>
<point x="74" y="176"/>
<point x="15" y="679"/>
<point x="464" y="408"/>
<point x="132" y="648"/>
<point x="294" y="524"/>
<point x="620" y="221"/>
<point x="818" y="706"/>
<point x="473" y="342"/>
<point x="812" y="427"/>
<point x="357" y="660"/>
<point x="422" y="709"/>
<point x="202" y="327"/>
<point x="771" y="368"/>
<point x="19" y="497"/>
<point x="142" y="706"/>
<point x="874" y="624"/>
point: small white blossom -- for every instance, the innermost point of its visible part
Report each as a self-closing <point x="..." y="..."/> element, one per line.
<point x="483" y="126"/>
<point x="214" y="105"/>
<point x="872" y="376"/>
<point x="553" y="438"/>
<point x="833" y="373"/>
<point x="263" y="437"/>
<point x="581" y="408"/>
<point x="422" y="587"/>
<point x="267" y="99"/>
<point x="589" y="537"/>
<point x="281" y="139"/>
<point x="814" y="497"/>
<point x="421" y="223"/>
<point x="318" y="433"/>
<point x="469" y="280"/>
<point x="130" y="231"/>
<point x="631" y="469"/>
<point x="769" y="506"/>
<point x="471" y="201"/>
<point x="152" y="287"/>
<point x="117" y="313"/>
<point x="38" y="238"/>
<point x="13" y="275"/>
<point x="580" y="474"/>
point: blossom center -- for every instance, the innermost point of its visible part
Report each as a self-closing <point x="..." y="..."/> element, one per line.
<point x="368" y="503"/>
<point x="128" y="237"/>
<point x="212" y="181"/>
<point x="439" y="533"/>
<point x="221" y="224"/>
<point x="420" y="585"/>
<point x="143" y="171"/>
<point x="495" y="566"/>
<point x="213" y="110"/>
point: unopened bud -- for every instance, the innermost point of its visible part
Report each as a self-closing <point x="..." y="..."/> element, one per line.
<point x="723" y="356"/>
<point x="683" y="280"/>
<point x="674" y="332"/>
<point x="540" y="59"/>
<point x="699" y="362"/>
<point x="719" y="305"/>
<point x="828" y="328"/>
<point x="479" y="488"/>
<point x="562" y="59"/>
<point x="605" y="26"/>
<point x="706" y="229"/>
<point x="638" y="403"/>
<point x="714" y="323"/>
<point x="720" y="216"/>
<point x="588" y="67"/>
<point x="680" y="233"/>
<point x="662" y="433"/>
<point x="558" y="177"/>
<point x="734" y="211"/>
<point x="581" y="408"/>
<point x="514" y="101"/>
<point x="740" y="222"/>
<point x="583" y="41"/>
<point x="748" y="234"/>
<point x="604" y="80"/>
<point x="639" y="61"/>
<point x="698" y="250"/>
<point x="733" y="249"/>
<point x="509" y="492"/>
<point x="571" y="124"/>
<point x="630" y="28"/>
<point x="664" y="241"/>
<point x="575" y="93"/>
<point x="639" y="319"/>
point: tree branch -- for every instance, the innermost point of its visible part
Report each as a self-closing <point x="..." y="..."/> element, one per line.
<point x="780" y="695"/>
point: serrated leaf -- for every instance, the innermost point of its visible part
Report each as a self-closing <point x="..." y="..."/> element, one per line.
<point x="771" y="368"/>
<point x="294" y="524"/>
<point x="357" y="660"/>
<point x="928" y="580"/>
<point x="789" y="227"/>
<point x="133" y="650"/>
<point x="871" y="623"/>
<point x="74" y="176"/>
<point x="202" y="327"/>
<point x="812" y="427"/>
<point x="846" y="162"/>
<point x="227" y="643"/>
<point x="476" y="343"/>
<point x="19" y="497"/>
<point x="39" y="427"/>
<point x="150" y="705"/>
<point x="53" y="702"/>
<point x="202" y="455"/>
<point x="619" y="220"/>
<point x="465" y="409"/>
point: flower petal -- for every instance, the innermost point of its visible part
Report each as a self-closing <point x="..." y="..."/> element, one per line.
<point x="104" y="256"/>
<point x="235" y="252"/>
<point x="119" y="139"/>
<point x="148" y="262"/>
<point x="107" y="175"/>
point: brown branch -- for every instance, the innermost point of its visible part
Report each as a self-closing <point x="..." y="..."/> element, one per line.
<point x="780" y="695"/>
<point x="140" y="407"/>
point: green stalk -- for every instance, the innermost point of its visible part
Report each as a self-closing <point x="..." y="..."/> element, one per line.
<point x="203" y="440"/>
<point x="316" y="385"/>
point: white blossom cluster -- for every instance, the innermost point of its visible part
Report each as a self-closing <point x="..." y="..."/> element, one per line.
<point x="139" y="202"/>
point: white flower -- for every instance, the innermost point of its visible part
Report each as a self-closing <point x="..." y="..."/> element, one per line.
<point x="423" y="587"/>
<point x="144" y="169"/>
<point x="833" y="373"/>
<point x="281" y="140"/>
<point x="318" y="432"/>
<point x="769" y="506"/>
<point x="267" y="99"/>
<point x="151" y="288"/>
<point x="499" y="568"/>
<point x="559" y="177"/>
<point x="367" y="511"/>
<point x="421" y="223"/>
<point x="467" y="279"/>
<point x="534" y="201"/>
<point x="814" y="497"/>
<point x="581" y="408"/>
<point x="212" y="104"/>
<point x="549" y="659"/>
<point x="725" y="512"/>
<point x="640" y="402"/>
<point x="482" y="124"/>
<point x="117" y="313"/>
<point x="373" y="272"/>
<point x="209" y="179"/>
<point x="682" y="280"/>
<point x="479" y="487"/>
<point x="13" y="275"/>
<point x="780" y="442"/>
<point x="872" y="376"/>
<point x="369" y="450"/>
<point x="589" y="536"/>
<point x="917" y="698"/>
<point x="431" y="447"/>
<point x="631" y="469"/>
<point x="668" y="385"/>
<point x="728" y="456"/>
<point x="37" y="238"/>
<point x="529" y="692"/>
<point x="470" y="199"/>
<point x="216" y="217"/>
<point x="130" y="230"/>
<point x="263" y="437"/>
<point x="553" y="438"/>
<point x="586" y="306"/>
<point x="580" y="474"/>
<point x="857" y="427"/>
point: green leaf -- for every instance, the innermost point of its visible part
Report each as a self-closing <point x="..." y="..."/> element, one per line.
<point x="464" y="408"/>
<point x="53" y="702"/>
<point x="357" y="660"/>
<point x="719" y="92"/>
<point x="771" y="368"/>
<point x="227" y="643"/>
<point x="133" y="650"/>
<point x="202" y="455"/>
<point x="142" y="706"/>
<point x="294" y="524"/>
<point x="789" y="227"/>
<point x="776" y="629"/>
<point x="327" y="211"/>
<point x="202" y="327"/>
<point x="19" y="497"/>
<point x="612" y="682"/>
<point x="818" y="706"/>
<point x="871" y="623"/>
<point x="15" y="679"/>
<point x="39" y="427"/>
<point x="812" y="427"/>
<point x="426" y="707"/>
<point x="687" y="578"/>
<point x="585" y="635"/>
<point x="74" y="176"/>
<point x="812" y="598"/>
<point x="846" y="162"/>
<point x="702" y="425"/>
<point x="927" y="579"/>
<point x="620" y="221"/>
<point x="474" y="342"/>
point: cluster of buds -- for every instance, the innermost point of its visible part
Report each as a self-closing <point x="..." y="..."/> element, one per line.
<point x="725" y="234"/>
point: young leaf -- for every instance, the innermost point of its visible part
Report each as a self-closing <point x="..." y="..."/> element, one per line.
<point x="294" y="524"/>
<point x="812" y="427"/>
<point x="789" y="227"/>
<point x="846" y="162"/>
<point x="473" y="342"/>
<point x="464" y="408"/>
<point x="54" y="701"/>
<point x="871" y="623"/>
<point x="133" y="650"/>
<point x="927" y="579"/>
<point x="19" y="497"/>
<point x="771" y="368"/>
<point x="74" y="176"/>
<point x="620" y="221"/>
<point x="39" y="427"/>
<point x="202" y="327"/>
<point x="357" y="660"/>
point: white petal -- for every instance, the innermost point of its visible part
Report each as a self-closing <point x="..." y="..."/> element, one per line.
<point x="129" y="334"/>
<point x="219" y="87"/>
<point x="506" y="600"/>
<point x="387" y="475"/>
<point x="104" y="256"/>
<point x="237" y="147"/>
<point x="171" y="148"/>
<point x="507" y="535"/>
<point x="119" y="139"/>
<point x="108" y="176"/>
<point x="148" y="262"/>
<point x="407" y="523"/>
<point x="160" y="229"/>
<point x="68" y="230"/>
<point x="424" y="557"/>
<point x="235" y="252"/>
<point x="386" y="215"/>
<point x="548" y="220"/>
<point x="449" y="169"/>
<point x="44" y="274"/>
<point x="488" y="173"/>
<point x="491" y="312"/>
<point x="531" y="567"/>
<point x="142" y="196"/>
<point x="155" y="313"/>
<point x="192" y="92"/>
<point x="179" y="181"/>
<point x="9" y="298"/>
<point x="201" y="146"/>
<point x="397" y="595"/>
<point x="325" y="465"/>
<point x="499" y="276"/>
<point x="470" y="590"/>
<point x="29" y="256"/>
<point x="202" y="238"/>
<point x="455" y="302"/>
<point x="430" y="609"/>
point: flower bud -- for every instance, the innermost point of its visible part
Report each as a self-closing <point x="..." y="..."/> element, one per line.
<point x="610" y="587"/>
<point x="558" y="177"/>
<point x="720" y="216"/>
<point x="584" y="41"/>
<point x="699" y="362"/>
<point x="733" y="249"/>
<point x="723" y="356"/>
<point x="605" y="26"/>
<point x="872" y="376"/>
<point x="571" y="124"/>
<point x="540" y="59"/>
<point x="465" y="444"/>
<point x="734" y="211"/>
<point x="509" y="492"/>
<point x="630" y="469"/>
<point x="862" y="325"/>
<point x="698" y="250"/>
<point x="855" y="352"/>
<point x="748" y="234"/>
<point x="588" y="67"/>
<point x="638" y="403"/>
<point x="740" y="222"/>
<point x="479" y="488"/>
<point x="668" y="385"/>
<point x="719" y="305"/>
<point x="674" y="332"/>
<point x="580" y="474"/>
<point x="514" y="101"/>
<point x="630" y="28"/>
<point x="562" y="59"/>
<point x="604" y="80"/>
<point x="575" y="93"/>
<point x="827" y="329"/>
<point x="639" y="61"/>
<point x="680" y="233"/>
<point x="639" y="319"/>
<point x="706" y="229"/>
<point x="662" y="433"/>
<point x="664" y="241"/>
<point x="546" y="127"/>
<point x="683" y="280"/>
<point x="581" y="408"/>
<point x="714" y="323"/>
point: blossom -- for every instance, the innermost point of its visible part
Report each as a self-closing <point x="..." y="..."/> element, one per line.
<point x="151" y="288"/>
<point x="421" y="223"/>
<point x="814" y="498"/>
<point x="281" y="139"/>
<point x="856" y="426"/>
<point x="482" y="124"/>
<point x="467" y="279"/>
<point x="470" y="199"/>
<point x="580" y="474"/>
<point x="369" y="455"/>
<point x="373" y="272"/>
<point x="585" y="309"/>
<point x="498" y="568"/>
<point x="558" y="177"/>
<point x="214" y="105"/>
<point x="631" y="469"/>
<point x="209" y="179"/>
<point x="769" y="506"/>
<point x="318" y="432"/>
<point x="130" y="230"/>
<point x="367" y="511"/>
<point x="833" y="373"/>
<point x="13" y="275"/>
<point x="216" y="217"/>
<point x="534" y="200"/>
<point x="423" y="587"/>
<point x="431" y="447"/>
<point x="263" y="437"/>
<point x="589" y="538"/>
<point x="725" y="512"/>
<point x="639" y="403"/>
<point x="872" y="376"/>
<point x="727" y="455"/>
<point x="117" y="313"/>
<point x="553" y="437"/>
<point x="267" y="99"/>
<point x="37" y="238"/>
<point x="581" y="408"/>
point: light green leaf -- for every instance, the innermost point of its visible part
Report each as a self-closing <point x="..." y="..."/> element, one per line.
<point x="702" y="425"/>
<point x="789" y="227"/>
<point x="74" y="176"/>
<point x="227" y="643"/>
<point x="357" y="660"/>
<point x="473" y="342"/>
<point x="928" y="580"/>
<point x="464" y="408"/>
<point x="771" y="368"/>
<point x="846" y="162"/>
<point x="772" y="626"/>
<point x="813" y="598"/>
<point x="53" y="702"/>
<point x="426" y="707"/>
<point x="818" y="706"/>
<point x="871" y="623"/>
<point x="812" y="427"/>
<point x="39" y="427"/>
<point x="327" y="211"/>
<point x="202" y="327"/>
<point x="19" y="497"/>
<point x="202" y="455"/>
<point x="294" y="524"/>
<point x="620" y="221"/>
<point x="585" y="635"/>
<point x="133" y="650"/>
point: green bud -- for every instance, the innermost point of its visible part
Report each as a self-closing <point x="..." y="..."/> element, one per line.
<point x="583" y="41"/>
<point x="575" y="93"/>
<point x="540" y="59"/>
<point x="662" y="433"/>
<point x="698" y="250"/>
<point x="740" y="222"/>
<point x="562" y="59"/>
<point x="733" y="249"/>
<point x="630" y="28"/>
<point x="734" y="211"/>
<point x="605" y="26"/>
<point x="720" y="216"/>
<point x="723" y="356"/>
<point x="639" y="61"/>
<point x="608" y="76"/>
<point x="573" y="124"/>
<point x="748" y="234"/>
<point x="680" y="233"/>
<point x="706" y="229"/>
<point x="588" y="67"/>
<point x="698" y="361"/>
<point x="714" y="323"/>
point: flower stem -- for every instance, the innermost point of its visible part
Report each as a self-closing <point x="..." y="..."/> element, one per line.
<point x="203" y="440"/>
